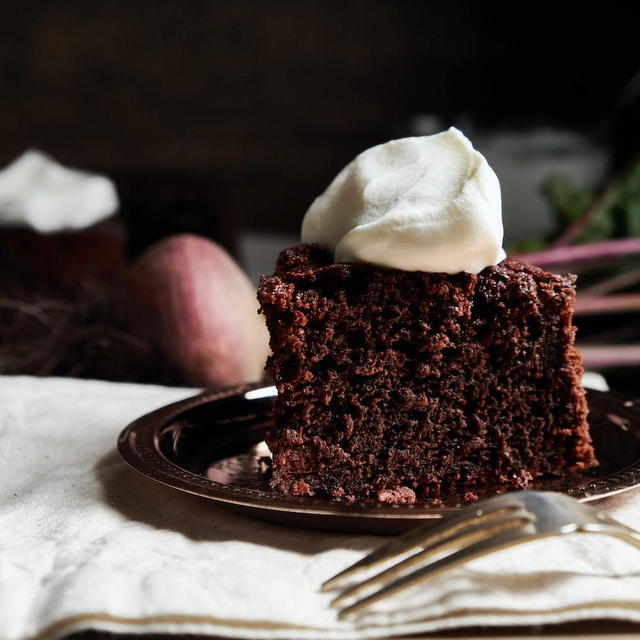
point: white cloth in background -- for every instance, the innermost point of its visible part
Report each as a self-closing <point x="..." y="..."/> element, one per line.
<point x="39" y="193"/>
<point x="86" y="542"/>
<point x="593" y="380"/>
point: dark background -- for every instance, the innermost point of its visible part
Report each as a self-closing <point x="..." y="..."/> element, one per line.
<point x="218" y="116"/>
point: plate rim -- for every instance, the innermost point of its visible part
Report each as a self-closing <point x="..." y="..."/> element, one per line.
<point x="138" y="445"/>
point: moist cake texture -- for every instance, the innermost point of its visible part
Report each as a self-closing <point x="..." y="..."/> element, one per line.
<point x="404" y="385"/>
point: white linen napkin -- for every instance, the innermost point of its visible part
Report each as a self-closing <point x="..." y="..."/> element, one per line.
<point x="85" y="542"/>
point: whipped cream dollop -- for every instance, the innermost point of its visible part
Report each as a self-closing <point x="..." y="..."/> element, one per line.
<point x="38" y="192"/>
<point x="429" y="203"/>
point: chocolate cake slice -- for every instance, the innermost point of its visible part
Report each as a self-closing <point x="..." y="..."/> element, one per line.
<point x="404" y="385"/>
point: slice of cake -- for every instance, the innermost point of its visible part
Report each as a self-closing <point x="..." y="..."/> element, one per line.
<point x="404" y="384"/>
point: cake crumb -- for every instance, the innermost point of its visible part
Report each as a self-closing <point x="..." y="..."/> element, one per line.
<point x="301" y="488"/>
<point x="401" y="495"/>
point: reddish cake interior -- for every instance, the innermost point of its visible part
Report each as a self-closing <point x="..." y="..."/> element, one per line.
<point x="398" y="385"/>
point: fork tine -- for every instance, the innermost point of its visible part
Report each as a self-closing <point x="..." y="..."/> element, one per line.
<point x="499" y="541"/>
<point x="450" y="544"/>
<point x="427" y="534"/>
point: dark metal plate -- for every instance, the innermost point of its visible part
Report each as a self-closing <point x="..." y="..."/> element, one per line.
<point x="211" y="445"/>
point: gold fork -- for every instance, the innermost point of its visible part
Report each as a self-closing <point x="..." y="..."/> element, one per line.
<point x="475" y="531"/>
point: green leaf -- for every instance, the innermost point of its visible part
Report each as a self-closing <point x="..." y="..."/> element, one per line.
<point x="632" y="217"/>
<point x="629" y="202"/>
<point x="618" y="214"/>
<point x="567" y="201"/>
<point x="602" y="226"/>
<point x="534" y="243"/>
